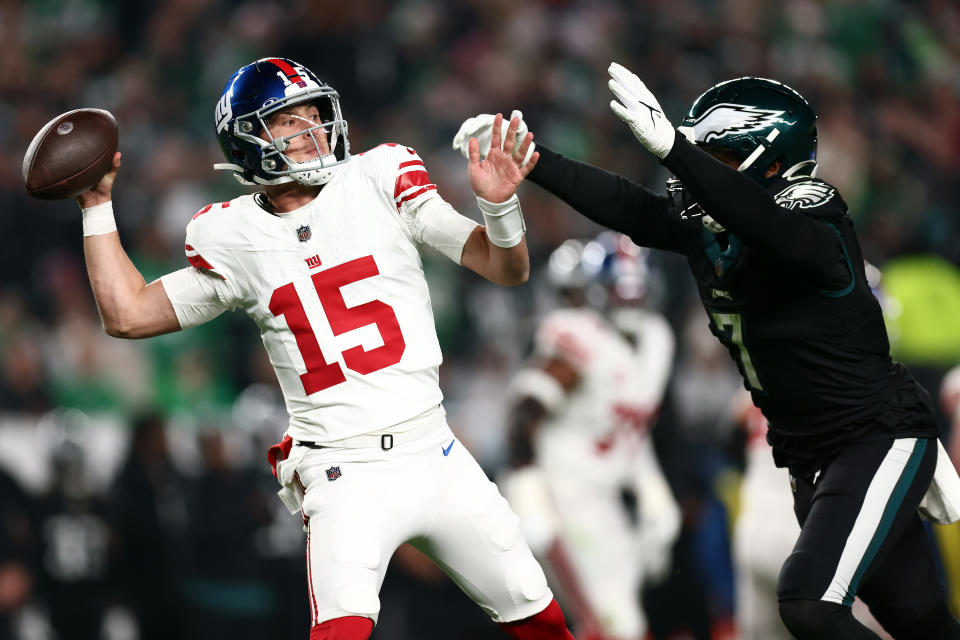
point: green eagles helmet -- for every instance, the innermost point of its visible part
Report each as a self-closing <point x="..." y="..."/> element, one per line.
<point x="760" y="121"/>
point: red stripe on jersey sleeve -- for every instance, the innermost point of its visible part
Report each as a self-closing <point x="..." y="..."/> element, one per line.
<point x="418" y="192"/>
<point x="409" y="180"/>
<point x="199" y="262"/>
<point x="202" y="211"/>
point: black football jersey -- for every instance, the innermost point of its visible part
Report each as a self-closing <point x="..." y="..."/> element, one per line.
<point x="784" y="289"/>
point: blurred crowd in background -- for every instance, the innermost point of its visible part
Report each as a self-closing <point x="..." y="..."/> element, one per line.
<point x="135" y="497"/>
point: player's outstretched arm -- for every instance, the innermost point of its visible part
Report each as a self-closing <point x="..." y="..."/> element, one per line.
<point x="498" y="251"/>
<point x="129" y="308"/>
<point x="606" y="198"/>
<point x="732" y="198"/>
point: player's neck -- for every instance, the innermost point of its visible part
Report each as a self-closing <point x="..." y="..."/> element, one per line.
<point x="290" y="196"/>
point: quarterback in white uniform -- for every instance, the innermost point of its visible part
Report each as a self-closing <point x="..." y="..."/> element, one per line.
<point x="325" y="260"/>
<point x="580" y="439"/>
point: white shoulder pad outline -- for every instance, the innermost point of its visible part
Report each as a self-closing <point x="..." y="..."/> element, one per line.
<point x="388" y="156"/>
<point x="805" y="195"/>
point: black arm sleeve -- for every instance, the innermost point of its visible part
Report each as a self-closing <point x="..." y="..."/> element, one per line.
<point x="609" y="200"/>
<point x="745" y="209"/>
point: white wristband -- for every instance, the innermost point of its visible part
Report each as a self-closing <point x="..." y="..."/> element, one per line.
<point x="98" y="220"/>
<point x="504" y="221"/>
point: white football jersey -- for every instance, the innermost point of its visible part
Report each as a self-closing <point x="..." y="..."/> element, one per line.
<point x="338" y="291"/>
<point x="609" y="412"/>
<point x="594" y="442"/>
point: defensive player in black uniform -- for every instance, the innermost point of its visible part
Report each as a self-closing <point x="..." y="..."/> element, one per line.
<point x="780" y="273"/>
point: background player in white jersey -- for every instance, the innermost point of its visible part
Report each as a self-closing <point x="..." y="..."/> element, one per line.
<point x="765" y="529"/>
<point x="325" y="260"/>
<point x="950" y="404"/>
<point x="580" y="441"/>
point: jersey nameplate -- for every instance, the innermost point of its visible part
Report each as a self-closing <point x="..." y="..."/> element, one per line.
<point x="720" y="293"/>
<point x="805" y="195"/>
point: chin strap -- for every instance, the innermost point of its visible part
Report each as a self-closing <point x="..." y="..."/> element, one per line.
<point x="805" y="166"/>
<point x="322" y="170"/>
<point x="238" y="174"/>
<point x="227" y="166"/>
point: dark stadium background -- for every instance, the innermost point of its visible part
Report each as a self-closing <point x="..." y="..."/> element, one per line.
<point x="133" y="485"/>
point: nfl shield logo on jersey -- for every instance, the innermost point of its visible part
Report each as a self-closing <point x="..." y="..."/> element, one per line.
<point x="333" y="473"/>
<point x="303" y="233"/>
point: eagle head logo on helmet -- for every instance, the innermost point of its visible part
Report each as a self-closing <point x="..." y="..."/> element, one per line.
<point x="254" y="154"/>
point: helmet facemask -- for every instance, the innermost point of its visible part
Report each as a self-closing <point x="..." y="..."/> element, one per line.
<point x="683" y="201"/>
<point x="327" y="137"/>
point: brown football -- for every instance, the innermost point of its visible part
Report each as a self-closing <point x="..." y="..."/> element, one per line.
<point x="70" y="154"/>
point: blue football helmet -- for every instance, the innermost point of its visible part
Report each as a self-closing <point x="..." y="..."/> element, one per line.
<point x="254" y="154"/>
<point x="757" y="120"/>
<point x="610" y="269"/>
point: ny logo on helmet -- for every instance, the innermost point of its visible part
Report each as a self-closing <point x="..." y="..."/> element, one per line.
<point x="725" y="119"/>
<point x="224" y="110"/>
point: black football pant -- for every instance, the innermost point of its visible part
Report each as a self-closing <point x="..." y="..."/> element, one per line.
<point x="861" y="535"/>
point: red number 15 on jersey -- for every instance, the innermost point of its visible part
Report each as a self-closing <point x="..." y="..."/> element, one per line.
<point x="320" y="373"/>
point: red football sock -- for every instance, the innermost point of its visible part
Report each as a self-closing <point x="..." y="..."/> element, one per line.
<point x="347" y="628"/>
<point x="546" y="625"/>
